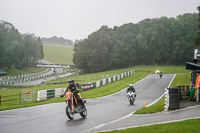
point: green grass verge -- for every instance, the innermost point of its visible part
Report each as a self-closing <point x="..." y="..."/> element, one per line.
<point x="113" y="87"/>
<point x="98" y="92"/>
<point x="94" y="93"/>
<point x="179" y="80"/>
<point x="157" y="107"/>
<point x="58" y="54"/>
<point x="26" y="70"/>
<point x="186" y="126"/>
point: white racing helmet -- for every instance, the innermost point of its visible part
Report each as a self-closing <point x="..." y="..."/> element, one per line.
<point x="130" y="85"/>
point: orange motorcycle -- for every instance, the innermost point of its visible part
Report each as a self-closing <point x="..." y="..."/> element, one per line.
<point x="73" y="106"/>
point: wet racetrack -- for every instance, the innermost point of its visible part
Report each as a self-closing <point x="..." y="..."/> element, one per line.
<point x="51" y="118"/>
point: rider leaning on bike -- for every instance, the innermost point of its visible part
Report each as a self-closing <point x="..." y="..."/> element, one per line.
<point x="131" y="88"/>
<point x="75" y="88"/>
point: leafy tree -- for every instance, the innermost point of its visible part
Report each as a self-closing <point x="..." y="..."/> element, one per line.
<point x="152" y="41"/>
<point x="17" y="50"/>
<point x="197" y="40"/>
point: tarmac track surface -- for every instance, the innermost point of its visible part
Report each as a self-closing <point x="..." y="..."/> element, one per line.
<point x="51" y="118"/>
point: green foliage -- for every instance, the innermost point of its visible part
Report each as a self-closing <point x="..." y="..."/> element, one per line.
<point x="17" y="50"/>
<point x="187" y="126"/>
<point x="140" y="72"/>
<point x="163" y="41"/>
<point x="25" y="70"/>
<point x="157" y="107"/>
<point x="58" y="54"/>
<point x="113" y="87"/>
<point x="197" y="39"/>
<point x="181" y="79"/>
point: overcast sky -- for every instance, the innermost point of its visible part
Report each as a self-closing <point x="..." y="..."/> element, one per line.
<point x="76" y="19"/>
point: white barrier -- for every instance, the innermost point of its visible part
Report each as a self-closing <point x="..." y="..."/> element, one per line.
<point x="109" y="80"/>
<point x="42" y="95"/>
<point x="97" y="84"/>
<point x="118" y="77"/>
<point x="59" y="91"/>
<point x="114" y="78"/>
<point x="122" y="76"/>
<point x="104" y="81"/>
<point x="166" y="99"/>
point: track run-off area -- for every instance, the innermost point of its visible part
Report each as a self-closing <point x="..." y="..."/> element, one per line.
<point x="51" y="118"/>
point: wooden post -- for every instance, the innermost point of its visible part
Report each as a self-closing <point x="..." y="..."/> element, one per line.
<point x="0" y="100"/>
<point x="20" y="97"/>
<point x="185" y="83"/>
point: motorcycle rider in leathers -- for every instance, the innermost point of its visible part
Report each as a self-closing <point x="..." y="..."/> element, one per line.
<point x="131" y="88"/>
<point x="75" y="88"/>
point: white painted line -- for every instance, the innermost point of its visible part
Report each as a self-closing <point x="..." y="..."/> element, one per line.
<point x="171" y="81"/>
<point x="163" y="93"/>
<point x="165" y="122"/>
<point x="191" y="107"/>
<point x="156" y="100"/>
<point x="99" y="126"/>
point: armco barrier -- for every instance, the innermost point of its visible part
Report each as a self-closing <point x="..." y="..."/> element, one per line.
<point x="45" y="94"/>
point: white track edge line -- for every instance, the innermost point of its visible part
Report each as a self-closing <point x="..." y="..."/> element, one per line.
<point x="101" y="125"/>
<point x="165" y="122"/>
<point x="163" y="93"/>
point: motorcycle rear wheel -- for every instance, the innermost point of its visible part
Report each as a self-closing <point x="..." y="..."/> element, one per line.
<point x="69" y="112"/>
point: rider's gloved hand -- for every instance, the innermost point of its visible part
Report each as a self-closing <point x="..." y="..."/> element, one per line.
<point x="75" y="91"/>
<point x="61" y="96"/>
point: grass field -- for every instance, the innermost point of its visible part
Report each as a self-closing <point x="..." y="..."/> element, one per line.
<point x="140" y="72"/>
<point x="157" y="107"/>
<point x="58" y="54"/>
<point x="187" y="126"/>
<point x="26" y="70"/>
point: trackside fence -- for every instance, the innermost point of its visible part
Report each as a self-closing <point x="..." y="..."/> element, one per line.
<point x="46" y="94"/>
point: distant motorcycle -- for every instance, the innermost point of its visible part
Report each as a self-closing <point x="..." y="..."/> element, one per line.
<point x="131" y="97"/>
<point x="74" y="107"/>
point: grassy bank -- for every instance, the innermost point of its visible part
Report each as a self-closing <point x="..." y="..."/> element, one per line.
<point x="58" y="54"/>
<point x="26" y="70"/>
<point x="187" y="126"/>
<point x="140" y="72"/>
<point x="157" y="107"/>
<point x="179" y="80"/>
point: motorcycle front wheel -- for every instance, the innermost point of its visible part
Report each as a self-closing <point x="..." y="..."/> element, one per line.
<point x="69" y="112"/>
<point x="84" y="112"/>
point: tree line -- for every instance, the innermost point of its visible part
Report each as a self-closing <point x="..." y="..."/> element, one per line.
<point x="161" y="41"/>
<point x="57" y="40"/>
<point x="17" y="50"/>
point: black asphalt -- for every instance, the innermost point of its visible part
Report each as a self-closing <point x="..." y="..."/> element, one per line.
<point x="51" y="118"/>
